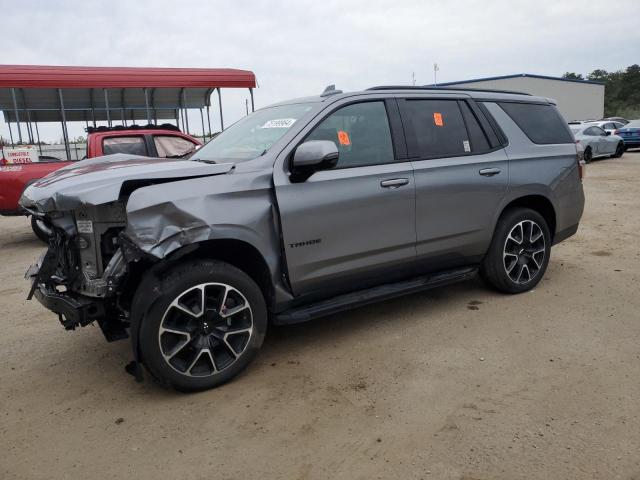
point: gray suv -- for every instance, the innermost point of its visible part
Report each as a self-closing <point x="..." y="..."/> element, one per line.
<point x="303" y="209"/>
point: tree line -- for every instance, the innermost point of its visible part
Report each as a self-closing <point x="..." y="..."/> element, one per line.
<point x="621" y="91"/>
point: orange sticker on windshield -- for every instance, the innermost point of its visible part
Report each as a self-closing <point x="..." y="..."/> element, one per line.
<point x="343" y="138"/>
<point x="437" y="119"/>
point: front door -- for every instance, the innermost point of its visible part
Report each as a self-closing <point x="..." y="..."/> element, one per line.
<point x="350" y="226"/>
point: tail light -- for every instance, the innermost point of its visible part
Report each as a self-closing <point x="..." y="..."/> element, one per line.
<point x="616" y="131"/>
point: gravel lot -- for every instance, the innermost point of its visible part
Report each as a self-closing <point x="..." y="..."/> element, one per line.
<point x="456" y="383"/>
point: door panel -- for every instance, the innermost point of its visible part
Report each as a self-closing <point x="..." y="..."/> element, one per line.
<point x="456" y="202"/>
<point x="461" y="176"/>
<point x="342" y="227"/>
<point x="353" y="225"/>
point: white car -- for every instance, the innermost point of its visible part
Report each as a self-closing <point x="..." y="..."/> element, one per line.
<point x="607" y="125"/>
<point x="597" y="143"/>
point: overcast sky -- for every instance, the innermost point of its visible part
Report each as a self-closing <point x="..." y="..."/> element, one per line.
<point x="296" y="48"/>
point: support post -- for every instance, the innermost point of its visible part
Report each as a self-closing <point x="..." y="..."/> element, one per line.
<point x="146" y="104"/>
<point x="186" y="112"/>
<point x="93" y="110"/>
<point x="10" y="133"/>
<point x="122" y="108"/>
<point x="204" y="133"/>
<point x="106" y="103"/>
<point x="220" y="105"/>
<point x="15" y="110"/>
<point x="209" y="121"/>
<point x="38" y="136"/>
<point x="26" y="107"/>
<point x="253" y="108"/>
<point x="64" y="125"/>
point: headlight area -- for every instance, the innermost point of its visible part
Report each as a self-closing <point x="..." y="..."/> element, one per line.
<point x="83" y="274"/>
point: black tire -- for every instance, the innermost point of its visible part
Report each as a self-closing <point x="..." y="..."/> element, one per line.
<point x="181" y="286"/>
<point x="504" y="251"/>
<point x="588" y="155"/>
<point x="40" y="229"/>
<point x="619" y="150"/>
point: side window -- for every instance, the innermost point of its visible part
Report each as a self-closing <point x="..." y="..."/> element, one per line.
<point x="361" y="132"/>
<point x="541" y="123"/>
<point x="172" y="146"/>
<point x="600" y="132"/>
<point x="434" y="128"/>
<point x="479" y="142"/>
<point x="133" y="145"/>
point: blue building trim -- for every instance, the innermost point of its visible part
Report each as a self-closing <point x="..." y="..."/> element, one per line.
<point x="503" y="77"/>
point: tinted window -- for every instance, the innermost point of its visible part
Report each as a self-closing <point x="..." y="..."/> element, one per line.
<point x="479" y="142"/>
<point x="130" y="145"/>
<point x="172" y="146"/>
<point x="541" y="123"/>
<point x="361" y="133"/>
<point x="434" y="128"/>
<point x="594" y="131"/>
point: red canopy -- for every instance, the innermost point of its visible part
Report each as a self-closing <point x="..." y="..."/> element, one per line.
<point x="39" y="76"/>
<point x="110" y="93"/>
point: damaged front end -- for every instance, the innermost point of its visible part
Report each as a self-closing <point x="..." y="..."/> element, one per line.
<point x="81" y="277"/>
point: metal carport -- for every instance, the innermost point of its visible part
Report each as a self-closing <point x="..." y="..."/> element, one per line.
<point x="33" y="93"/>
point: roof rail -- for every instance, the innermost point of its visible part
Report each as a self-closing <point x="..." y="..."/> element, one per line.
<point x="116" y="128"/>
<point x="457" y="89"/>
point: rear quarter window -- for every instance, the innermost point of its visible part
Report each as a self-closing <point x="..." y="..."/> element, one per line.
<point x="541" y="123"/>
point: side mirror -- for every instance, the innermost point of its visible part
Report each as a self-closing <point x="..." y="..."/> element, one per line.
<point x="315" y="153"/>
<point x="608" y="133"/>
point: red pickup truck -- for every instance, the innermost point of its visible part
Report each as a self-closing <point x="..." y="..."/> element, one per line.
<point x="151" y="141"/>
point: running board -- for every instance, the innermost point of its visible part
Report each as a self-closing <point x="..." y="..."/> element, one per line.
<point x="371" y="295"/>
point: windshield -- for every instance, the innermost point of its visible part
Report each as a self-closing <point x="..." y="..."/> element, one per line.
<point x="253" y="135"/>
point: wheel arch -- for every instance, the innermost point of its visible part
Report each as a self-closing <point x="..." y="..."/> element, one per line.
<point x="538" y="202"/>
<point x="239" y="253"/>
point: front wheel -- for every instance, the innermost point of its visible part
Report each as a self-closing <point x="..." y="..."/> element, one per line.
<point x="588" y="155"/>
<point x="206" y="328"/>
<point x="619" y="150"/>
<point x="519" y="252"/>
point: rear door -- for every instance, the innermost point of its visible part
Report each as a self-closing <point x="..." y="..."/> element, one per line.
<point x="461" y="174"/>
<point x="353" y="225"/>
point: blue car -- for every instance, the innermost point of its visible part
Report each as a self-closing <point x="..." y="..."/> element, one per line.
<point x="630" y="133"/>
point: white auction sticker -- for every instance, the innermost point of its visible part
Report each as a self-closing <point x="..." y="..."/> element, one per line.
<point x="467" y="147"/>
<point x="85" y="226"/>
<point x="279" y="123"/>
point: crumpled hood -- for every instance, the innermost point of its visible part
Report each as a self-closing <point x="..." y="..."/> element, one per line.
<point x="100" y="180"/>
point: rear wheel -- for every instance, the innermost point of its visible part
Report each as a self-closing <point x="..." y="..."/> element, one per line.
<point x="40" y="228"/>
<point x="619" y="150"/>
<point x="588" y="155"/>
<point x="206" y="328"/>
<point x="519" y="252"/>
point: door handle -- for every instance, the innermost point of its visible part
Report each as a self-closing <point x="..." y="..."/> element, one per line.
<point x="394" y="182"/>
<point x="489" y="172"/>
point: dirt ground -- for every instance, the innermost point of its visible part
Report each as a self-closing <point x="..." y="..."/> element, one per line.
<point x="456" y="383"/>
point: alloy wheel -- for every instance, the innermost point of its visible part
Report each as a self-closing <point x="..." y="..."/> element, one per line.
<point x="524" y="252"/>
<point x="205" y="329"/>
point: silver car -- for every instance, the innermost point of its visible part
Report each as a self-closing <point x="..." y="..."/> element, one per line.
<point x="300" y="210"/>
<point x="597" y="143"/>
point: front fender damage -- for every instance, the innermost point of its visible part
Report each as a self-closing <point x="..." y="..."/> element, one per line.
<point x="164" y="221"/>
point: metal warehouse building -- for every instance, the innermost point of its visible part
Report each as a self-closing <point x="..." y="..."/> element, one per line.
<point x="577" y="99"/>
